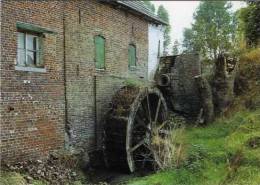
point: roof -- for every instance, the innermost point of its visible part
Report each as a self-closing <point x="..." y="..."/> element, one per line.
<point x="138" y="7"/>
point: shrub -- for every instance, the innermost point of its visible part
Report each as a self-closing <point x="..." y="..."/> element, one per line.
<point x="247" y="84"/>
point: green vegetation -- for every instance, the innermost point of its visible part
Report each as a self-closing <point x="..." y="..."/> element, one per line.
<point x="247" y="84"/>
<point x="220" y="154"/>
<point x="14" y="178"/>
<point x="249" y="23"/>
<point x="213" y="30"/>
<point x="132" y="82"/>
<point x="175" y="48"/>
<point x="149" y="5"/>
<point x="163" y="13"/>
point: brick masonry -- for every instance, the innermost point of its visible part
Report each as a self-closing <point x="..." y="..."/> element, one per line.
<point x="85" y="20"/>
<point x="32" y="104"/>
<point x="35" y="106"/>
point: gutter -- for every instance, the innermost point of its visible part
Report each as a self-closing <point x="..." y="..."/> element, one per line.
<point x="124" y="6"/>
<point x="147" y="16"/>
<point x="95" y="109"/>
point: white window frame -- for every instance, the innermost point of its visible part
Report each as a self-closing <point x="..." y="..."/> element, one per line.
<point x="38" y="63"/>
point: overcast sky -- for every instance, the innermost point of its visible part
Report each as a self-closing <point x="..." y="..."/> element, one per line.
<point x="181" y="14"/>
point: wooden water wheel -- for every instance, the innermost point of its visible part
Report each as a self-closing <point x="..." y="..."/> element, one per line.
<point x="137" y="115"/>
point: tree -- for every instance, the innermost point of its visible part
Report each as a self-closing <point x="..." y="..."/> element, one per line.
<point x="149" y="5"/>
<point x="250" y="23"/>
<point x="164" y="15"/>
<point x="218" y="94"/>
<point x="187" y="43"/>
<point x="175" y="48"/>
<point x="213" y="29"/>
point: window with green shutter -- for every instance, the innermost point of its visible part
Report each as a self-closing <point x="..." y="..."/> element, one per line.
<point x="100" y="52"/>
<point x="131" y="55"/>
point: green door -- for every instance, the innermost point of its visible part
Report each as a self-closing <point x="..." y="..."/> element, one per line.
<point x="131" y="55"/>
<point x="100" y="52"/>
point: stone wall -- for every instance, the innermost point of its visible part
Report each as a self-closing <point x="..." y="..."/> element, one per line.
<point x="184" y="90"/>
<point x="32" y="103"/>
<point x="179" y="88"/>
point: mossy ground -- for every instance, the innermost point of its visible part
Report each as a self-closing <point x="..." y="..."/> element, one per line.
<point x="17" y="178"/>
<point x="14" y="178"/>
<point x="219" y="154"/>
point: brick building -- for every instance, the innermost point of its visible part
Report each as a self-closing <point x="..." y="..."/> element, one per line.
<point x="60" y="63"/>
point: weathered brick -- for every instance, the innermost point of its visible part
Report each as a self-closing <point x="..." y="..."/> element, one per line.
<point x="34" y="107"/>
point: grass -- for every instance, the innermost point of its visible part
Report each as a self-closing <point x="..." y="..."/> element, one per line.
<point x="132" y="82"/>
<point x="219" y="154"/>
<point x="14" y="178"/>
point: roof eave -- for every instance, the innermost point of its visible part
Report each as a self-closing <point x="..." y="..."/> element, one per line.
<point x="146" y="16"/>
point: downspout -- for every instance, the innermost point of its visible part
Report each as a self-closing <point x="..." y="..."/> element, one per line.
<point x="67" y="127"/>
<point x="95" y="110"/>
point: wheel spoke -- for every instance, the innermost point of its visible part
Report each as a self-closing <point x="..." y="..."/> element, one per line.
<point x="147" y="157"/>
<point x="141" y="123"/>
<point x="157" y="160"/>
<point x="143" y="111"/>
<point x="149" y="110"/>
<point x="138" y="112"/>
<point x="157" y="111"/>
<point x="137" y="145"/>
<point x="161" y="126"/>
<point x="156" y="157"/>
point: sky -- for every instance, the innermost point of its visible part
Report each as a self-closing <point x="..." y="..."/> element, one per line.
<point x="181" y="13"/>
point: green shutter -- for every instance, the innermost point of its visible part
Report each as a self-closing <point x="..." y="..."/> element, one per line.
<point x="100" y="52"/>
<point x="131" y="56"/>
<point x="40" y="61"/>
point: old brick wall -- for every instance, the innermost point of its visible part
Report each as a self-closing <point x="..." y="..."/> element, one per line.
<point x="33" y="108"/>
<point x="32" y="103"/>
<point x="84" y="20"/>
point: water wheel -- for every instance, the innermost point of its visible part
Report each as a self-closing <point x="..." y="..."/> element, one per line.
<point x="136" y="117"/>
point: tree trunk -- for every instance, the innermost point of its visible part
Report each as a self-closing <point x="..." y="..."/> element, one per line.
<point x="207" y="114"/>
<point x="223" y="83"/>
<point x="219" y="94"/>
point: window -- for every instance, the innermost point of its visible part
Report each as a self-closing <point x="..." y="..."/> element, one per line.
<point x="29" y="50"/>
<point x="131" y="56"/>
<point x="100" y="52"/>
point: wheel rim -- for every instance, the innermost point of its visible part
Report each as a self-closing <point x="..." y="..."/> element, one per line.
<point x="149" y="113"/>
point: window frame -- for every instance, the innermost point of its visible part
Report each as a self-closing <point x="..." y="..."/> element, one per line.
<point x="38" y="52"/>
